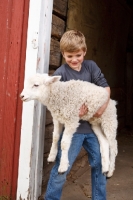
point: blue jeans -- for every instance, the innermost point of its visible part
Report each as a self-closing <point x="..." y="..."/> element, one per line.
<point x="91" y="145"/>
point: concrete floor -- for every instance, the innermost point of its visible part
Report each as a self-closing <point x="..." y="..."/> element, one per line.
<point x="119" y="187"/>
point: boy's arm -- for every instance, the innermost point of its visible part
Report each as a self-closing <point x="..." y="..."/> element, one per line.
<point x="98" y="79"/>
<point x="102" y="109"/>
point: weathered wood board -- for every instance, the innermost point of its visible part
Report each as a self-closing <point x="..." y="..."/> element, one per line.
<point x="60" y="8"/>
<point x="55" y="55"/>
<point x="58" y="27"/>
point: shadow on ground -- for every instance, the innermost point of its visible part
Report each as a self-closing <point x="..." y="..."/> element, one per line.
<point x="119" y="187"/>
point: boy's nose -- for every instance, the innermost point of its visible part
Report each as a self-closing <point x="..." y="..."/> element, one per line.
<point x="74" y="59"/>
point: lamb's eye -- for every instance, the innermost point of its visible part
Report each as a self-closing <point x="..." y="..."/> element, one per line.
<point x="36" y="85"/>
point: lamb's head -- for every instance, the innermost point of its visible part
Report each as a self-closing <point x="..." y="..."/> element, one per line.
<point x="37" y="87"/>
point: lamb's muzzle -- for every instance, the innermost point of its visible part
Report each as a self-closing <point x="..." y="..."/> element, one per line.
<point x="21" y="96"/>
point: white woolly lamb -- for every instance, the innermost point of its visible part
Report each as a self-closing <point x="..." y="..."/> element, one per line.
<point x="64" y="100"/>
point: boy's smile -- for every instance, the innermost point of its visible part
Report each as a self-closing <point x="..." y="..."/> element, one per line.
<point x="74" y="59"/>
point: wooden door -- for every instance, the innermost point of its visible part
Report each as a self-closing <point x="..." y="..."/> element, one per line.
<point x="13" y="23"/>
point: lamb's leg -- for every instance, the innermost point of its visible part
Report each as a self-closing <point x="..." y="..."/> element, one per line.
<point x="104" y="148"/>
<point x="56" y="136"/>
<point x="109" y="129"/>
<point x="113" y="154"/>
<point x="70" y="129"/>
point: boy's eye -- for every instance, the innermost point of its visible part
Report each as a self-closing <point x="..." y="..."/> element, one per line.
<point x="78" y="55"/>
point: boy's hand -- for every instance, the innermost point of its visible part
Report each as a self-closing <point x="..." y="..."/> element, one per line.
<point x="83" y="110"/>
<point x="102" y="109"/>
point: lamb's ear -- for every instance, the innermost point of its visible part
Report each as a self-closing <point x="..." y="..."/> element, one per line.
<point x="51" y="79"/>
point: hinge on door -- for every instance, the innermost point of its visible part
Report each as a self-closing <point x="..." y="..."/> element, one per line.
<point x="35" y="40"/>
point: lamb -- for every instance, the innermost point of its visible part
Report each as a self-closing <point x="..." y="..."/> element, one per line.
<point x="63" y="100"/>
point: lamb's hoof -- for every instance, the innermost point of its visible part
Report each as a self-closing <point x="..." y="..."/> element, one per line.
<point x="62" y="169"/>
<point x="105" y="167"/>
<point x="109" y="175"/>
<point x="51" y="158"/>
<point x="50" y="161"/>
<point x="61" y="173"/>
<point x="105" y="173"/>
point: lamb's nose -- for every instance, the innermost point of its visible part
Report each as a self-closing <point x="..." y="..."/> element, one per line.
<point x="21" y="96"/>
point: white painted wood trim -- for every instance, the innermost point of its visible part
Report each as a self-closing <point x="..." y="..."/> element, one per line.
<point x="33" y="115"/>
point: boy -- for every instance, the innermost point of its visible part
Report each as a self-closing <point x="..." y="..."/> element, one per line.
<point x="73" y="48"/>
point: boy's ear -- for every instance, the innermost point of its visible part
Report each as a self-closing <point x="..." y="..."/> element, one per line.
<point x="62" y="54"/>
<point x="51" y="79"/>
<point x="84" y="53"/>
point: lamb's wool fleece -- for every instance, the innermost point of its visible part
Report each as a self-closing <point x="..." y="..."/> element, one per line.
<point x="64" y="99"/>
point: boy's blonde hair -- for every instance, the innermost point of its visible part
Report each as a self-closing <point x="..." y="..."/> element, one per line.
<point x="73" y="41"/>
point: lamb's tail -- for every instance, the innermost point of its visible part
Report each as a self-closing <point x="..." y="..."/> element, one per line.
<point x="115" y="102"/>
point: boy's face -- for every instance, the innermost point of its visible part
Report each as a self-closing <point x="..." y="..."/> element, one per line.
<point x="74" y="59"/>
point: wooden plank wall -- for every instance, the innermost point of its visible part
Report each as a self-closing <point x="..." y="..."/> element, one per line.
<point x="58" y="27"/>
<point x="106" y="26"/>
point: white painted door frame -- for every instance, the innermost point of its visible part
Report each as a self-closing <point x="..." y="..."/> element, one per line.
<point x="33" y="114"/>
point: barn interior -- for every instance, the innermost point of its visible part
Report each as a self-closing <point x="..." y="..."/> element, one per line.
<point x="108" y="28"/>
